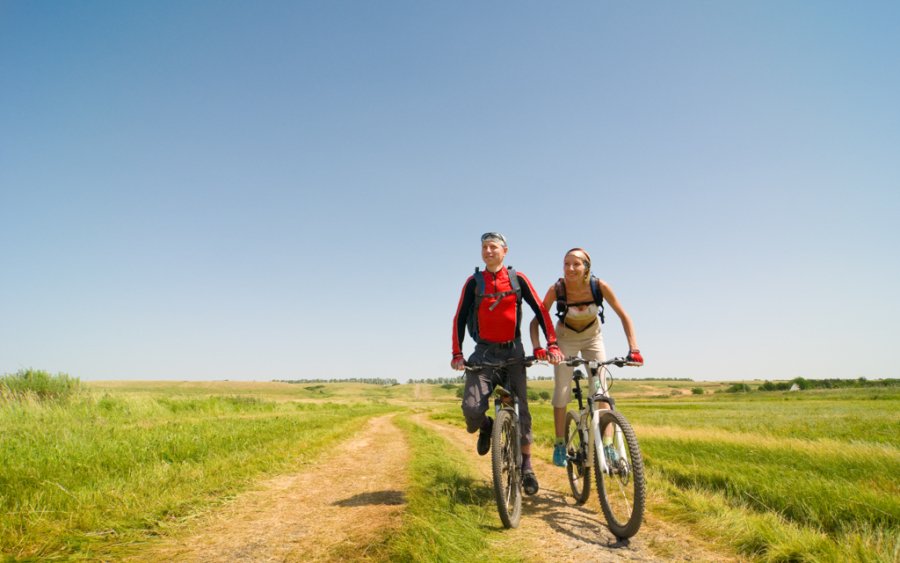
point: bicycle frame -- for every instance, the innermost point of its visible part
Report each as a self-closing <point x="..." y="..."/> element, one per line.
<point x="596" y="379"/>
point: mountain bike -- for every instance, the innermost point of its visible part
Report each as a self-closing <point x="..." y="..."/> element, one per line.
<point x="506" y="444"/>
<point x="618" y="468"/>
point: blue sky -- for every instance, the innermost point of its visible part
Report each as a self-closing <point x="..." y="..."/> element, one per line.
<point x="268" y="190"/>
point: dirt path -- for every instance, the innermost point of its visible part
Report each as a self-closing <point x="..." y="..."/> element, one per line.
<point x="555" y="529"/>
<point x="352" y="498"/>
<point x="339" y="505"/>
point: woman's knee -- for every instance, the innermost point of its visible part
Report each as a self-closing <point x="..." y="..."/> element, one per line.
<point x="561" y="396"/>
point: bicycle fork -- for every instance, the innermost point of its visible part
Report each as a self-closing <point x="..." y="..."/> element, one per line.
<point x="618" y="442"/>
<point x="505" y="399"/>
<point x="597" y="441"/>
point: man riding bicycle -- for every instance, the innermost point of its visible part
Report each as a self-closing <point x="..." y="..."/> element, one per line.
<point x="491" y="307"/>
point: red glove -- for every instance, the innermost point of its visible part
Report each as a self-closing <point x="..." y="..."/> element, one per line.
<point x="634" y="356"/>
<point x="458" y="362"/>
<point x="540" y="354"/>
<point x="555" y="354"/>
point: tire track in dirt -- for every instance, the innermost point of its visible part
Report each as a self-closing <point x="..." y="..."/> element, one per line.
<point x="554" y="528"/>
<point x="343" y="504"/>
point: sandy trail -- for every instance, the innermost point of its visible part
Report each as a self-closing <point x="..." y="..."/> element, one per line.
<point x="342" y="504"/>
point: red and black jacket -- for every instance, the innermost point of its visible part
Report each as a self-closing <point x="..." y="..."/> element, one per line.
<point x="498" y="322"/>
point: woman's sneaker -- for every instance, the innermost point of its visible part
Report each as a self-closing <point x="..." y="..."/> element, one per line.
<point x="530" y="482"/>
<point x="559" y="455"/>
<point x="611" y="456"/>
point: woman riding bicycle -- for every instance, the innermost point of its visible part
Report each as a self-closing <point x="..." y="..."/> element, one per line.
<point x="579" y="297"/>
<point x="491" y="307"/>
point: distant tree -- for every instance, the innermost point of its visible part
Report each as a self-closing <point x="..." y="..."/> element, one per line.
<point x="801" y="383"/>
<point x="544" y="395"/>
<point x="697" y="390"/>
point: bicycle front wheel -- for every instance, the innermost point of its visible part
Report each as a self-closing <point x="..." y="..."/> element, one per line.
<point x="621" y="488"/>
<point x="578" y="464"/>
<point x="505" y="465"/>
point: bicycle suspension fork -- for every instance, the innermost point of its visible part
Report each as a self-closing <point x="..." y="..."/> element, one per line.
<point x="507" y="400"/>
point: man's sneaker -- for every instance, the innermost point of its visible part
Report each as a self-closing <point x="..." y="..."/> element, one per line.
<point x="530" y="482"/>
<point x="484" y="437"/>
<point x="559" y="455"/>
<point x="612" y="458"/>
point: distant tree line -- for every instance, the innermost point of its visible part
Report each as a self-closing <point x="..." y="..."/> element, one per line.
<point x="459" y="379"/>
<point x="802" y="384"/>
<point x="369" y="380"/>
<point x="655" y="378"/>
<point x="438" y="380"/>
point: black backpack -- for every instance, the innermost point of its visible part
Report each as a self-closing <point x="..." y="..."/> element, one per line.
<point x="562" y="305"/>
<point x="472" y="321"/>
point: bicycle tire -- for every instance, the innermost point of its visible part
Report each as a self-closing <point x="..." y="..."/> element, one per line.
<point x="505" y="466"/>
<point x="578" y="459"/>
<point x="622" y="494"/>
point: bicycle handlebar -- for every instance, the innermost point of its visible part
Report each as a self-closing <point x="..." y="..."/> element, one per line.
<point x="527" y="360"/>
<point x="594" y="364"/>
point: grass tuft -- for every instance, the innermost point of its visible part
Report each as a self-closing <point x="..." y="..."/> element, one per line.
<point x="38" y="385"/>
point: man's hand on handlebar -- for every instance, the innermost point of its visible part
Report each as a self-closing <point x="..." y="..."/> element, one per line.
<point x="458" y="362"/>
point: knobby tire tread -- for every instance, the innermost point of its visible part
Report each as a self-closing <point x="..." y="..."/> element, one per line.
<point x="630" y="527"/>
<point x="580" y="483"/>
<point x="504" y="438"/>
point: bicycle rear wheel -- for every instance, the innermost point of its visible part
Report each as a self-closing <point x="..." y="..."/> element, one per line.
<point x="578" y="464"/>
<point x="622" y="490"/>
<point x="505" y="465"/>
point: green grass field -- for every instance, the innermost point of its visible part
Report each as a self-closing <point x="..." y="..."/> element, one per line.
<point x="123" y="462"/>
<point x="771" y="476"/>
<point x="778" y="476"/>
